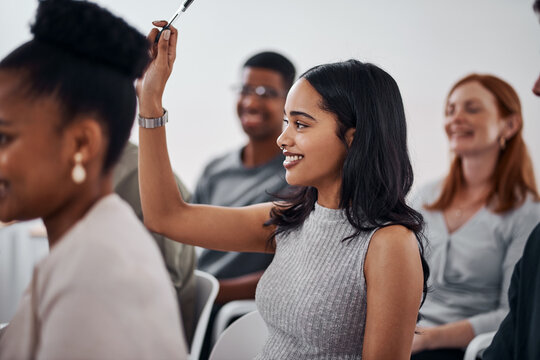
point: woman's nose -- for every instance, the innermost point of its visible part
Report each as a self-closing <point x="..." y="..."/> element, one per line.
<point x="456" y="116"/>
<point x="283" y="140"/>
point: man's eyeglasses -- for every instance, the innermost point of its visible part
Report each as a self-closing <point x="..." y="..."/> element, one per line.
<point x="263" y="92"/>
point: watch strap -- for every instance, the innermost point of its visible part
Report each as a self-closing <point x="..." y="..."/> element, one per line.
<point x="151" y="123"/>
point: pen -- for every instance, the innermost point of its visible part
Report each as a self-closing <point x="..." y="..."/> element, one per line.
<point x="176" y="15"/>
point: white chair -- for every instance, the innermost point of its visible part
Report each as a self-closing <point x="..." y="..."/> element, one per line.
<point x="228" y="313"/>
<point x="206" y="290"/>
<point x="243" y="340"/>
<point x="477" y="345"/>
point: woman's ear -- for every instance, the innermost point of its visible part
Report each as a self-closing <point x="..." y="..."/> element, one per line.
<point x="349" y="136"/>
<point x="86" y="137"/>
<point x="511" y="126"/>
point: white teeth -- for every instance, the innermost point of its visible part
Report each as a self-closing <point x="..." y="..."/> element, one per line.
<point x="293" y="158"/>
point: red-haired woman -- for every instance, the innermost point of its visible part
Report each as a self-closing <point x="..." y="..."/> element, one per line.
<point x="477" y="219"/>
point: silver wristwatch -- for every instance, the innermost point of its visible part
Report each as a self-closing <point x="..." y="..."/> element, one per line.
<point x="153" y="122"/>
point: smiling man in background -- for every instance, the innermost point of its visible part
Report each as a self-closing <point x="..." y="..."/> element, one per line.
<point x="248" y="175"/>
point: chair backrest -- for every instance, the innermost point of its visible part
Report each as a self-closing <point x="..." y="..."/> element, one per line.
<point x="230" y="312"/>
<point x="243" y="340"/>
<point x="206" y="289"/>
<point x="478" y="345"/>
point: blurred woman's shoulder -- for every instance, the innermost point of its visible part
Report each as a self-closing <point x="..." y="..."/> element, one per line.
<point x="426" y="193"/>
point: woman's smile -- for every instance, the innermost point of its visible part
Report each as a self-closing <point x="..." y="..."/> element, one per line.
<point x="291" y="159"/>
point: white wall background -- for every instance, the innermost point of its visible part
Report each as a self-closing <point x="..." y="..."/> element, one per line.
<point x="425" y="44"/>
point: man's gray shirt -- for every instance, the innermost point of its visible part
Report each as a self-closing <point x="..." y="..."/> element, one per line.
<point x="227" y="182"/>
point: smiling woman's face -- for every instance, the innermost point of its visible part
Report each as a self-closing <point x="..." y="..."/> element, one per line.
<point x="314" y="153"/>
<point x="34" y="168"/>
<point x="473" y="123"/>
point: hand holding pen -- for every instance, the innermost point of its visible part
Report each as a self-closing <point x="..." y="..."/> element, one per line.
<point x="151" y="86"/>
<point x="182" y="9"/>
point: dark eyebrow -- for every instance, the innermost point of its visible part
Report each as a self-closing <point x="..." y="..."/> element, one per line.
<point x="300" y="113"/>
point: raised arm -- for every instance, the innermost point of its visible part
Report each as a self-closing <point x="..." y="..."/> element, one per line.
<point x="164" y="210"/>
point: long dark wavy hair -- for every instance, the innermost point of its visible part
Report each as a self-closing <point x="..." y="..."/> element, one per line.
<point x="377" y="173"/>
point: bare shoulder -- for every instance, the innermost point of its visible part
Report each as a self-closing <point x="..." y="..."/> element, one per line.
<point x="392" y="246"/>
<point x="394" y="238"/>
<point x="393" y="257"/>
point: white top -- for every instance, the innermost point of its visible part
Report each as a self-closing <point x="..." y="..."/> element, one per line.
<point x="102" y="293"/>
<point x="471" y="268"/>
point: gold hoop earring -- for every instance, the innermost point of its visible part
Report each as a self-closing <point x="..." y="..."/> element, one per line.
<point x="78" y="174"/>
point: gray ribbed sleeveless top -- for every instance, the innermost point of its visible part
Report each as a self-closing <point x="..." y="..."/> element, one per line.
<point x="313" y="295"/>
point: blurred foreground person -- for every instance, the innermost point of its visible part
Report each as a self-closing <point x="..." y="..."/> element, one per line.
<point x="67" y="104"/>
